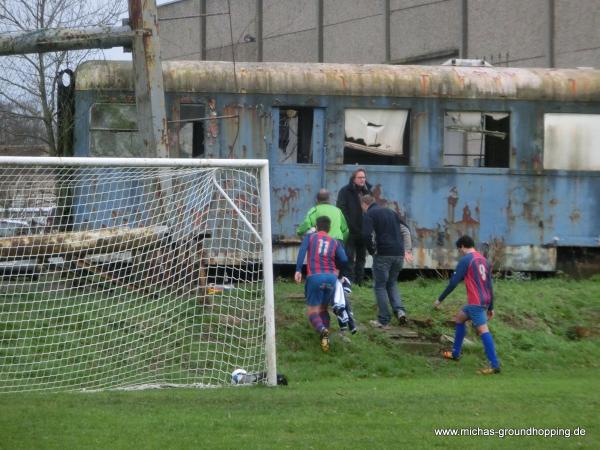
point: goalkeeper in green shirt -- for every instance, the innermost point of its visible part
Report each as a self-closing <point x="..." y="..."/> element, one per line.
<point x="338" y="231"/>
<point x="339" y="227"/>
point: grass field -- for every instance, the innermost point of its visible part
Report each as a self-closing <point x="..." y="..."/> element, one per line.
<point x="378" y="390"/>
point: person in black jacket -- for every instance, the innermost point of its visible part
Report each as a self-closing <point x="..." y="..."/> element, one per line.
<point x="348" y="201"/>
<point x="387" y="238"/>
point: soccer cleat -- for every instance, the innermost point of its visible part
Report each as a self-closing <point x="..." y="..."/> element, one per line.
<point x="325" y="340"/>
<point x="448" y="355"/>
<point x="401" y="316"/>
<point x="489" y="371"/>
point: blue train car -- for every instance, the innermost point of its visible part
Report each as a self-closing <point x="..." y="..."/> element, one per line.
<point x="510" y="156"/>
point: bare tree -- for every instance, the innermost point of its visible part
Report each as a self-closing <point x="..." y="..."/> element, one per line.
<point x="28" y="82"/>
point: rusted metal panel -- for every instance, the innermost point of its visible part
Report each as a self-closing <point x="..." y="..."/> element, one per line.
<point x="356" y="80"/>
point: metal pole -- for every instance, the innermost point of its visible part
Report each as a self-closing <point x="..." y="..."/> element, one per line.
<point x="149" y="90"/>
<point x="551" y="31"/>
<point x="320" y="31"/>
<point x="464" y="53"/>
<point x="203" y="30"/>
<point x="128" y="162"/>
<point x="270" y="349"/>
<point x="259" y="30"/>
<point x="388" y="35"/>
<point x="61" y="39"/>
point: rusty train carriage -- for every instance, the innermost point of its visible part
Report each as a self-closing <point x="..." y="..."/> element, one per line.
<point x="507" y="155"/>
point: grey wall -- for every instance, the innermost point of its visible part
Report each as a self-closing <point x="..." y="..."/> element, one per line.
<point x="578" y="33"/>
<point x="290" y="30"/>
<point x="518" y="33"/>
<point x="514" y="27"/>
<point x="354" y="34"/>
<point x="423" y="28"/>
<point x="180" y="38"/>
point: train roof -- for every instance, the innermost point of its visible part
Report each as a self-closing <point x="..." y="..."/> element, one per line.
<point x="581" y="85"/>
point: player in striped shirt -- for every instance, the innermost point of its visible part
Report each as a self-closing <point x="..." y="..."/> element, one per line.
<point x="475" y="270"/>
<point x="323" y="255"/>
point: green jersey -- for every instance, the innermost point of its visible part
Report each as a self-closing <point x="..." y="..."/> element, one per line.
<point x="339" y="227"/>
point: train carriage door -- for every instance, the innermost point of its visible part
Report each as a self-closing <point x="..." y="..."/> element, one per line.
<point x="297" y="160"/>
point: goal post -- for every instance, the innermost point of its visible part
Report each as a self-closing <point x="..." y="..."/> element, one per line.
<point x="130" y="273"/>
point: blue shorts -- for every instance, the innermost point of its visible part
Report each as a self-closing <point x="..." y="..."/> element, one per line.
<point x="319" y="289"/>
<point x="477" y="314"/>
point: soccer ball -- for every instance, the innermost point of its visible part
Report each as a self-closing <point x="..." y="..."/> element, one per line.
<point x="237" y="376"/>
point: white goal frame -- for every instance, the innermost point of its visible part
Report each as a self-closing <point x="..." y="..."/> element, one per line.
<point x="264" y="236"/>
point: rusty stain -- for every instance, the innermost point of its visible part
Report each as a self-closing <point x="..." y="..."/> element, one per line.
<point x="288" y="195"/>
<point x="452" y="201"/>
<point x="553" y="202"/>
<point x="424" y="82"/>
<point x="536" y="162"/>
<point x="423" y="233"/>
<point x="572" y="86"/>
<point x="377" y="192"/>
<point x="575" y="216"/>
<point x="509" y="212"/>
<point x="467" y="218"/>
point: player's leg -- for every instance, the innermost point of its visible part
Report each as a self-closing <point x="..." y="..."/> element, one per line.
<point x="326" y="292"/>
<point x="350" y="248"/>
<point x="359" y="264"/>
<point x="479" y="318"/>
<point x="490" y="349"/>
<point x="393" y="292"/>
<point x="460" y="331"/>
<point x="381" y="270"/>
<point x="313" y="303"/>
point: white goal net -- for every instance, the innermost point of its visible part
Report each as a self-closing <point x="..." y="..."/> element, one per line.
<point x="131" y="273"/>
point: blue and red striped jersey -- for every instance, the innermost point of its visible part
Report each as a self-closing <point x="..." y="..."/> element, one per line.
<point x="477" y="273"/>
<point x="321" y="252"/>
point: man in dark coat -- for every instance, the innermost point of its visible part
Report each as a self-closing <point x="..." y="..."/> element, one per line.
<point x="348" y="201"/>
<point x="388" y="239"/>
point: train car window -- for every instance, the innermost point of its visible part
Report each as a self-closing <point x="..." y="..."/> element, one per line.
<point x="113" y="130"/>
<point x="476" y="139"/>
<point x="191" y="130"/>
<point x="571" y="140"/>
<point x="376" y="137"/>
<point x="295" y="135"/>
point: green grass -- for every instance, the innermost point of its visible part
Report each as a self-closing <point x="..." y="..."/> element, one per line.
<point x="374" y="391"/>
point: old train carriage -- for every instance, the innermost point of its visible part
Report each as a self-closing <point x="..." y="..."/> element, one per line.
<point x="510" y="156"/>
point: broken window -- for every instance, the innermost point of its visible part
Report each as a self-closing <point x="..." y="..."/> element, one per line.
<point x="376" y="137"/>
<point x="191" y="131"/>
<point x="476" y="139"/>
<point x="114" y="132"/>
<point x="295" y="135"/>
<point x="571" y="141"/>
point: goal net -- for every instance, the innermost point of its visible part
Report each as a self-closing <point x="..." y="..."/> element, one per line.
<point x="133" y="273"/>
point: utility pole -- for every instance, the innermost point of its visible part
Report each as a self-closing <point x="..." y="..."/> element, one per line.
<point x="147" y="67"/>
<point x="141" y="36"/>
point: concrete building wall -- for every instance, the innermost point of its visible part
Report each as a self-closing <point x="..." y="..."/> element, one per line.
<point x="516" y="30"/>
<point x="419" y="30"/>
<point x="356" y="34"/>
<point x="517" y="33"/>
<point x="577" y="34"/>
<point x="180" y="38"/>
<point x="290" y="30"/>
